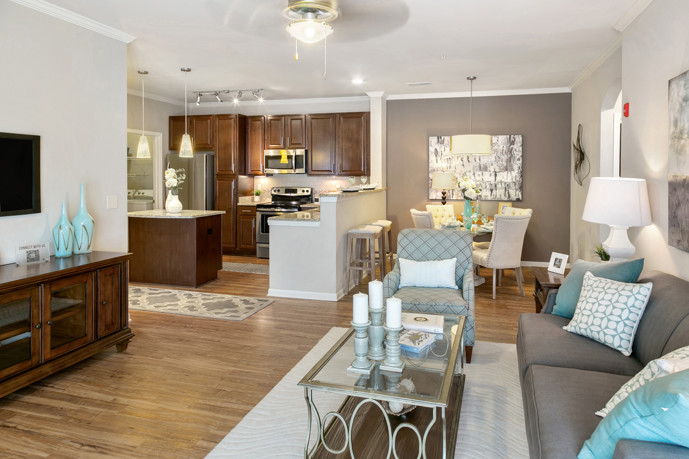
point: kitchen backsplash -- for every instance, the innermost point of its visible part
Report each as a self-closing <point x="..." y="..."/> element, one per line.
<point x="319" y="184"/>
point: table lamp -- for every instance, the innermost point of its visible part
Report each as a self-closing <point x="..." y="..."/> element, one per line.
<point x="619" y="203"/>
<point x="443" y="181"/>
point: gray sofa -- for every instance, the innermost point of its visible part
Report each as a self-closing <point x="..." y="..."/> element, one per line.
<point x="566" y="378"/>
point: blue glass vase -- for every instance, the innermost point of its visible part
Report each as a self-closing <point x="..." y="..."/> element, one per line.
<point x="466" y="214"/>
<point x="63" y="235"/>
<point x="83" y="227"/>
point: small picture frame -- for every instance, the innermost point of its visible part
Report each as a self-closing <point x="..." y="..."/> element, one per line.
<point x="558" y="263"/>
<point x="502" y="205"/>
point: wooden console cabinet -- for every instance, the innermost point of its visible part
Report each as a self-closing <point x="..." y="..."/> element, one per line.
<point x="55" y="314"/>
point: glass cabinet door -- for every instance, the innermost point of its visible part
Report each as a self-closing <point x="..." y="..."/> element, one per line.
<point x="68" y="315"/>
<point x="19" y="331"/>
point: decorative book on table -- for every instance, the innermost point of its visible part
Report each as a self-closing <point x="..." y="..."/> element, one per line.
<point x="422" y="322"/>
<point x="415" y="341"/>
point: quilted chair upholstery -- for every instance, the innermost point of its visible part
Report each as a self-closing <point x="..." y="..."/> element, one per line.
<point x="427" y="245"/>
<point x="421" y="219"/>
<point x="441" y="214"/>
<point x="507" y="210"/>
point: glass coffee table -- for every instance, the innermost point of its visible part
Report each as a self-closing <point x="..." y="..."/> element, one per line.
<point x="388" y="414"/>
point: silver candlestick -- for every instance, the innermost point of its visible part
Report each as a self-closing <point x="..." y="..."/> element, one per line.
<point x="361" y="364"/>
<point x="392" y="360"/>
<point x="376" y="335"/>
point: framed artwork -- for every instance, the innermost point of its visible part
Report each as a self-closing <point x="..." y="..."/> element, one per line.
<point x="678" y="162"/>
<point x="499" y="175"/>
<point x="503" y="204"/>
<point x="558" y="263"/>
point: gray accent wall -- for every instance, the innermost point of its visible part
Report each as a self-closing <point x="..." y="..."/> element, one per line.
<point x="545" y="122"/>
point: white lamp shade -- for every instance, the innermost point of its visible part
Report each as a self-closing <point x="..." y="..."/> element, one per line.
<point x="470" y="144"/>
<point x="443" y="181"/>
<point x="185" y="150"/>
<point x="617" y="201"/>
<point x="143" y="150"/>
<point x="309" y="31"/>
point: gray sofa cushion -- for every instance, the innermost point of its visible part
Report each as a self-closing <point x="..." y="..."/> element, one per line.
<point x="560" y="406"/>
<point x="664" y="326"/>
<point x="542" y="341"/>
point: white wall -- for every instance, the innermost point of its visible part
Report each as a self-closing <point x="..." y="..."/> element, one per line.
<point x="66" y="84"/>
<point x="157" y="116"/>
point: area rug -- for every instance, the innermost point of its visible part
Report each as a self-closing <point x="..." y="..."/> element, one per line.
<point x="491" y="423"/>
<point x="198" y="304"/>
<point x="253" y="268"/>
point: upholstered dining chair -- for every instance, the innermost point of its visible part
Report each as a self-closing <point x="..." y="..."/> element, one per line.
<point x="507" y="210"/>
<point x="421" y="219"/>
<point x="429" y="245"/>
<point x="441" y="214"/>
<point x="505" y="248"/>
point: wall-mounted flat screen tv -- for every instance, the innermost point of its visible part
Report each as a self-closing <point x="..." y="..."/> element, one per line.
<point x="20" y="185"/>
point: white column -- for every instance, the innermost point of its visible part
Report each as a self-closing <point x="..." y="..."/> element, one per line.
<point x="378" y="137"/>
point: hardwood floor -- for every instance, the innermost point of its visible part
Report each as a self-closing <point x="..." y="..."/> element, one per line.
<point x="185" y="382"/>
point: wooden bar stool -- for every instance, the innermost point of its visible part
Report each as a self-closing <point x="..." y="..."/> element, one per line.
<point x="361" y="252"/>
<point x="386" y="247"/>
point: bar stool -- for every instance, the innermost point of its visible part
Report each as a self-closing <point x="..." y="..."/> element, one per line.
<point x="386" y="249"/>
<point x="361" y="251"/>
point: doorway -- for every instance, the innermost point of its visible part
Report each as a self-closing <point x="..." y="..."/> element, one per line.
<point x="144" y="175"/>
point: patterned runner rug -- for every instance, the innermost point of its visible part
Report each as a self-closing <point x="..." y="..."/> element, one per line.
<point x="491" y="422"/>
<point x="198" y="304"/>
<point x="253" y="268"/>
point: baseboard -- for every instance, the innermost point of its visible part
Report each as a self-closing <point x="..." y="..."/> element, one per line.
<point x="304" y="295"/>
<point x="535" y="263"/>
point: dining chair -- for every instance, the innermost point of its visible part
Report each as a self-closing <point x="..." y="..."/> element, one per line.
<point x="441" y="214"/>
<point x="516" y="211"/>
<point x="422" y="219"/>
<point x="505" y="248"/>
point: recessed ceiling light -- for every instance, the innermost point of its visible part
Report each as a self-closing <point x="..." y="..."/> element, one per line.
<point x="419" y="83"/>
<point x="357" y="81"/>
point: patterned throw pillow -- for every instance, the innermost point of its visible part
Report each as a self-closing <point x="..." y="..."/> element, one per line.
<point x="671" y="362"/>
<point x="609" y="311"/>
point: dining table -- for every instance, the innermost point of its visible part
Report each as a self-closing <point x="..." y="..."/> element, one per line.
<point x="475" y="230"/>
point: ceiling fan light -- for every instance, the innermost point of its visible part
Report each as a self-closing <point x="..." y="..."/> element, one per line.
<point x="470" y="144"/>
<point x="309" y="31"/>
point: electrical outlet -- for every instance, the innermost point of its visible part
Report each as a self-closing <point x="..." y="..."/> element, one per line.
<point x="111" y="201"/>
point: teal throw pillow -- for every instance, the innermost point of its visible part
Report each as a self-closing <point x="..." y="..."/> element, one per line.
<point x="656" y="412"/>
<point x="568" y="293"/>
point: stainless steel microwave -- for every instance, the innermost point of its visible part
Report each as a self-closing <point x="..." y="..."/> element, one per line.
<point x="284" y="161"/>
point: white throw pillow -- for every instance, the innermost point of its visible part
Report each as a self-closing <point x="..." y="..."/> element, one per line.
<point x="440" y="273"/>
<point x="672" y="362"/>
<point x="609" y="311"/>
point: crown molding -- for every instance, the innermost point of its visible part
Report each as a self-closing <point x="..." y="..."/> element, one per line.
<point x="76" y="19"/>
<point x="167" y="100"/>
<point x="507" y="92"/>
<point x="597" y="62"/>
<point x="632" y="14"/>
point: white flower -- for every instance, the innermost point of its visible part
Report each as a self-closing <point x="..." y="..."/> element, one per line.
<point x="171" y="183"/>
<point x="170" y="173"/>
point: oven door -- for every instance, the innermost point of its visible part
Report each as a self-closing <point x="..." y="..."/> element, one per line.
<point x="263" y="230"/>
<point x="284" y="161"/>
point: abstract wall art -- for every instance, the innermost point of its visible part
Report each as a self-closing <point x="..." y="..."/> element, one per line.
<point x="678" y="162"/>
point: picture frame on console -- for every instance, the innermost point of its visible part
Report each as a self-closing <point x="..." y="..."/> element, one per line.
<point x="558" y="263"/>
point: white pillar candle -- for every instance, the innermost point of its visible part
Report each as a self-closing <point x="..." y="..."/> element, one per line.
<point x="375" y="293"/>
<point x="393" y="313"/>
<point x="360" y="308"/>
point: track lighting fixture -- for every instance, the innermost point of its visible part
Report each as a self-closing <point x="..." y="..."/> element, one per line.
<point x="257" y="94"/>
<point x="217" y="96"/>
<point x="235" y="94"/>
<point x="198" y="99"/>
<point x="237" y="97"/>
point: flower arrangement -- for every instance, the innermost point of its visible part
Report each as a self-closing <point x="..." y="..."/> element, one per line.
<point x="174" y="178"/>
<point x="469" y="189"/>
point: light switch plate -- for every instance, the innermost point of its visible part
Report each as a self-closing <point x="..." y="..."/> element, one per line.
<point x="111" y="201"/>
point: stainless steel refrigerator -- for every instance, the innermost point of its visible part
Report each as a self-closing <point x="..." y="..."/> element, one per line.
<point x="196" y="193"/>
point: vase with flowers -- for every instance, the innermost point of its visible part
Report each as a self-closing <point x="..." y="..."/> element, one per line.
<point x="173" y="179"/>
<point x="471" y="192"/>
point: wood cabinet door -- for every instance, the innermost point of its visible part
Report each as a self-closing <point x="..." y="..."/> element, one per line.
<point x="208" y="248"/>
<point x="275" y="132"/>
<point x="246" y="228"/>
<point x="175" y="132"/>
<point x="201" y="131"/>
<point x="21" y="330"/>
<point x="322" y="144"/>
<point x="226" y="154"/>
<point x="254" y="144"/>
<point x="295" y="130"/>
<point x="109" y="301"/>
<point x="353" y="144"/>
<point x="226" y="199"/>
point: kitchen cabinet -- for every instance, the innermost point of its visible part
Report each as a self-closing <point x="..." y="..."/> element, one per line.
<point x="55" y="314"/>
<point x="285" y="132"/>
<point x="255" y="131"/>
<point x="246" y="228"/>
<point x="200" y="129"/>
<point x="226" y="199"/>
<point x="353" y="155"/>
<point x="322" y="143"/>
<point x="229" y="148"/>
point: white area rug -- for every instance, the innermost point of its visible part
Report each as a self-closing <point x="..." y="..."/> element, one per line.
<point x="491" y="423"/>
<point x="253" y="268"/>
<point x="197" y="304"/>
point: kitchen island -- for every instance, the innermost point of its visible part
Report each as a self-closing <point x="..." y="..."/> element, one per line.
<point x="308" y="249"/>
<point x="175" y="249"/>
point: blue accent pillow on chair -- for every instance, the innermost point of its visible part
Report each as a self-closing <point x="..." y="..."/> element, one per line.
<point x="656" y="412"/>
<point x="569" y="291"/>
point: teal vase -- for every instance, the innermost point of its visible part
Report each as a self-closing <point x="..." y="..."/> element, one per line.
<point x="466" y="214"/>
<point x="83" y="227"/>
<point x="63" y="235"/>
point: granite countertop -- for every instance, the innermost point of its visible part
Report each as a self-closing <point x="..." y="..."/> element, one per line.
<point x="248" y="201"/>
<point x="313" y="215"/>
<point x="162" y="213"/>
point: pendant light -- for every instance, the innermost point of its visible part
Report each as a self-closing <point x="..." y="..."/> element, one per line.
<point x="143" y="150"/>
<point x="185" y="150"/>
<point x="470" y="144"/>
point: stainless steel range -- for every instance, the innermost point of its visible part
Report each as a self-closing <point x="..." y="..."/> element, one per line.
<point x="283" y="200"/>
